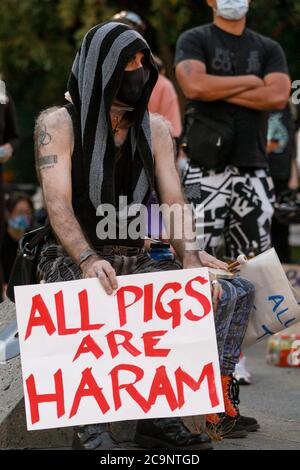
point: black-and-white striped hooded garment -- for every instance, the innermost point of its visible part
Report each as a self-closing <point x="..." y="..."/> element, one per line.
<point x="95" y="79"/>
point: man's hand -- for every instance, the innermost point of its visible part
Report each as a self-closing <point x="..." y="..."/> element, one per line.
<point x="216" y="294"/>
<point x="204" y="260"/>
<point x="103" y="270"/>
<point x="273" y="95"/>
<point x="256" y="82"/>
<point x="196" y="259"/>
<point x="8" y="149"/>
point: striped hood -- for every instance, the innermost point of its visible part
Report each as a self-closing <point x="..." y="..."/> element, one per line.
<point x="95" y="79"/>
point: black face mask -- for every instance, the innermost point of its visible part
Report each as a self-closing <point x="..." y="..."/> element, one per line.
<point x="132" y="86"/>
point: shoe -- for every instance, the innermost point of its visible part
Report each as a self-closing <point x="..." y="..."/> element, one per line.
<point x="169" y="433"/>
<point x="220" y="426"/>
<point x="231" y="423"/>
<point x="250" y="424"/>
<point x="231" y="391"/>
<point x="241" y="374"/>
<point x="94" y="437"/>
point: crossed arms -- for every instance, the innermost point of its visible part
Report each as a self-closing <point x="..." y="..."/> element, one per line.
<point x="250" y="91"/>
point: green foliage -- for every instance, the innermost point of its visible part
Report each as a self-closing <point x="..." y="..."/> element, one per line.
<point x="35" y="50"/>
<point x="280" y="20"/>
<point x="39" y="40"/>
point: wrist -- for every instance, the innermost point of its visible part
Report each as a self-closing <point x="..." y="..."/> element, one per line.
<point x="84" y="265"/>
<point x="85" y="256"/>
<point x="191" y="255"/>
<point x="192" y="260"/>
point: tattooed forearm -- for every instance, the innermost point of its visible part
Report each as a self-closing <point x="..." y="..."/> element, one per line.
<point x="67" y="228"/>
<point x="47" y="161"/>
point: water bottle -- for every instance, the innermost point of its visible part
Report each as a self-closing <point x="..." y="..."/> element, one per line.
<point x="284" y="350"/>
<point x="161" y="251"/>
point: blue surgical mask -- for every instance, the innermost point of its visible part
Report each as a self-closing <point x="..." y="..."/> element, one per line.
<point x="232" y="9"/>
<point x="20" y="222"/>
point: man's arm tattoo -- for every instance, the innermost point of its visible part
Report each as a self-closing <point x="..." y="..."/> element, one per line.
<point x="47" y="161"/>
<point x="43" y="137"/>
<point x="187" y="67"/>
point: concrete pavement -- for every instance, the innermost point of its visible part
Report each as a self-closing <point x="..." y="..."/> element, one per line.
<point x="274" y="400"/>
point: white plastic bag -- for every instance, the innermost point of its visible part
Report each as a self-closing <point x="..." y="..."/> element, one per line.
<point x="276" y="305"/>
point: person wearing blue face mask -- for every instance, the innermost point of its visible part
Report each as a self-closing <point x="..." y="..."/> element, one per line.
<point x="19" y="219"/>
<point x="231" y="9"/>
<point x="232" y="77"/>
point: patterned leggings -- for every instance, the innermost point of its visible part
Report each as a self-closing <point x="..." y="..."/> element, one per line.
<point x="231" y="320"/>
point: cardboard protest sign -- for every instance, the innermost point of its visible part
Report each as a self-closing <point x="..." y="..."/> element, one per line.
<point x="276" y="305"/>
<point x="147" y="351"/>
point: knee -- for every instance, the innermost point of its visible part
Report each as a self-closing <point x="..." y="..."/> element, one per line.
<point x="229" y="293"/>
<point x="244" y="287"/>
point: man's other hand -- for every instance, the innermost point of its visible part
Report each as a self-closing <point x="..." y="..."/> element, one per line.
<point x="216" y="294"/>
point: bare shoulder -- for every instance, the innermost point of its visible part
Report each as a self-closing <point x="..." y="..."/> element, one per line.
<point x="55" y="122"/>
<point x="160" y="127"/>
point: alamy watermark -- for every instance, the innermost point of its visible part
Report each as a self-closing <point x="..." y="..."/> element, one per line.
<point x="125" y="221"/>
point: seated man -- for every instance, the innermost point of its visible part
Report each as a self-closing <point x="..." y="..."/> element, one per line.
<point x="93" y="151"/>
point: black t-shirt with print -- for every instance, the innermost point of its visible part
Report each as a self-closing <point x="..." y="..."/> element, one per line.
<point x="282" y="129"/>
<point x="225" y="54"/>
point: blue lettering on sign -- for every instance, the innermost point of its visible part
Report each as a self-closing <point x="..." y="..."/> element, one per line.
<point x="278" y="299"/>
<point x="267" y="332"/>
<point x="281" y="313"/>
<point x="288" y="322"/>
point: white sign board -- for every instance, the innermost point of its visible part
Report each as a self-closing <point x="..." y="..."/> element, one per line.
<point x="147" y="351"/>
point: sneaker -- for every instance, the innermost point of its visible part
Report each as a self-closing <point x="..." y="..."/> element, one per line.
<point x="94" y="437"/>
<point x="221" y="426"/>
<point x="241" y="374"/>
<point x="169" y="433"/>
